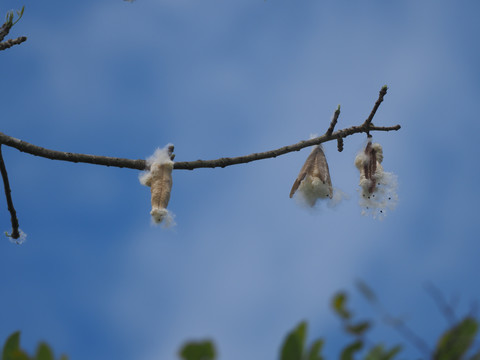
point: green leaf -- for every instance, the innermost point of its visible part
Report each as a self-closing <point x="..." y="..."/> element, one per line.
<point x="358" y="329"/>
<point x="350" y="350"/>
<point x="393" y="352"/>
<point x="204" y="350"/>
<point x="11" y="349"/>
<point x="375" y="353"/>
<point x="292" y="348"/>
<point x="456" y="341"/>
<point x="379" y="353"/>
<point x="44" y="352"/>
<point x="315" y="349"/>
<point x="338" y="304"/>
<point x="12" y="344"/>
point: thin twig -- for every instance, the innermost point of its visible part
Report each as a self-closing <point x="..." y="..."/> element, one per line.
<point x="6" y="185"/>
<point x="441" y="303"/>
<point x="396" y="323"/>
<point x="408" y="334"/>
<point x="381" y="95"/>
<point x="9" y="43"/>
<point x="334" y="121"/>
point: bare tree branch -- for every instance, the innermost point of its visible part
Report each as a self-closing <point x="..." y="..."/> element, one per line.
<point x="183" y="165"/>
<point x="9" y="43"/>
<point x="139" y="164"/>
<point x="5" y="29"/>
<point x="68" y="156"/>
<point x="223" y="162"/>
<point x="6" y="185"/>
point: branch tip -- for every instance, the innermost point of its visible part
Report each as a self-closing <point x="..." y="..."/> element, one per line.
<point x="340" y="144"/>
<point x="336" y="114"/>
<point x="8" y="195"/>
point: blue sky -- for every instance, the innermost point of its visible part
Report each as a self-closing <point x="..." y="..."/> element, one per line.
<point x="245" y="263"/>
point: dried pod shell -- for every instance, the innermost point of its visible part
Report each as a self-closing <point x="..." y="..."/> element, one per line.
<point x="161" y="186"/>
<point x="377" y="187"/>
<point x="368" y="163"/>
<point x="159" y="179"/>
<point x="314" y="177"/>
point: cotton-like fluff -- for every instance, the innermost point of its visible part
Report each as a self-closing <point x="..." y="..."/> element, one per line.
<point x="159" y="179"/>
<point x="20" y="240"/>
<point x="378" y="188"/>
<point x="313" y="181"/>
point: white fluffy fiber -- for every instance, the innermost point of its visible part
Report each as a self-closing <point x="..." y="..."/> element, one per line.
<point x="164" y="216"/>
<point x="160" y="156"/>
<point x="310" y="191"/>
<point x="312" y="188"/>
<point x="384" y="196"/>
<point x="20" y="240"/>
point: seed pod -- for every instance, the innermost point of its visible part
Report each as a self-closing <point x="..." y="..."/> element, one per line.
<point x="314" y="181"/>
<point x="159" y="179"/>
<point x="368" y="163"/>
<point x="161" y="186"/>
<point x="378" y="188"/>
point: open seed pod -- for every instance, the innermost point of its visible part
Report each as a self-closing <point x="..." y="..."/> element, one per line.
<point x="313" y="181"/>
<point x="377" y="187"/>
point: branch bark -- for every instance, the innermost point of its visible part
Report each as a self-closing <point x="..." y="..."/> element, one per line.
<point x="9" y="43"/>
<point x="8" y="194"/>
<point x="140" y="164"/>
<point x="5" y="29"/>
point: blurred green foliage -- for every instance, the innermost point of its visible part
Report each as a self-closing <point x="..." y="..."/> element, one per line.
<point x="456" y="343"/>
<point x="12" y="350"/>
